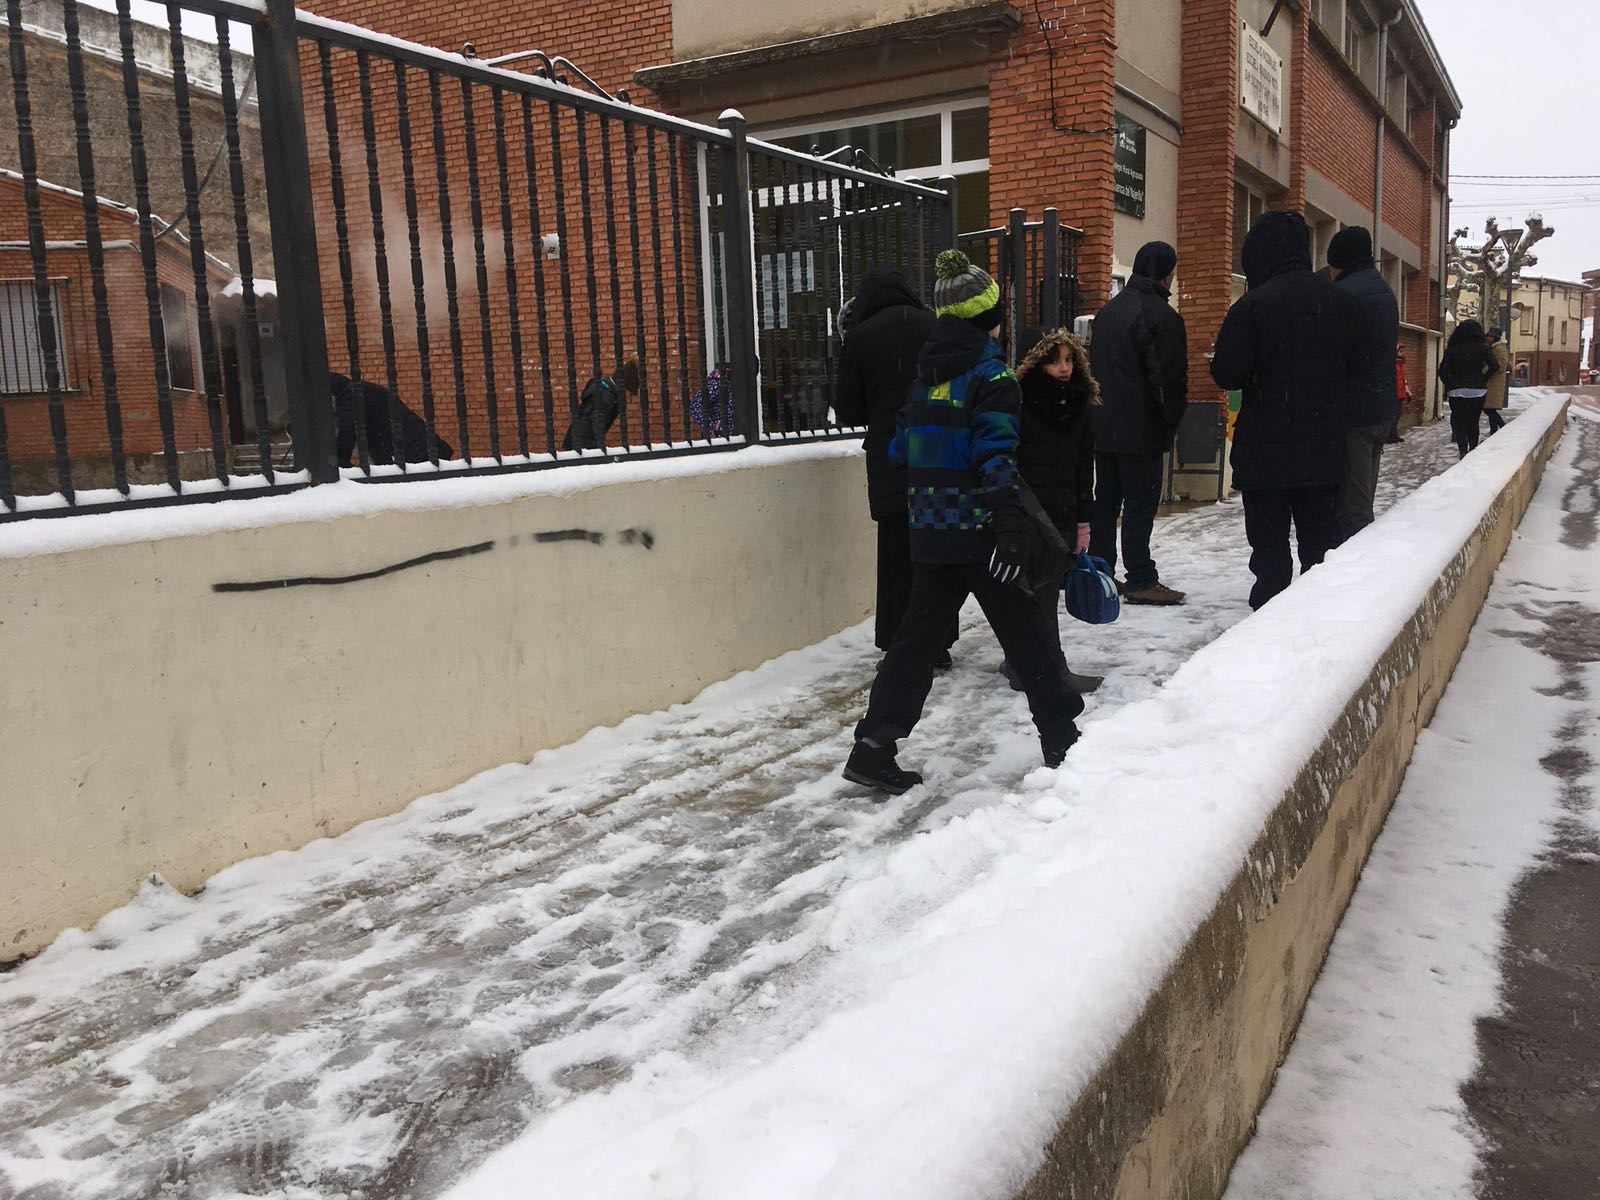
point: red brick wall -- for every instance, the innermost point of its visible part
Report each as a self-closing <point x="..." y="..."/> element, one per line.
<point x="1341" y="139"/>
<point x="1405" y="191"/>
<point x="1299" y="54"/>
<point x="1034" y="165"/>
<point x="27" y="416"/>
<point x="1210" y="90"/>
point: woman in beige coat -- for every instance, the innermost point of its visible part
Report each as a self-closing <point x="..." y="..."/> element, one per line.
<point x="1495" y="398"/>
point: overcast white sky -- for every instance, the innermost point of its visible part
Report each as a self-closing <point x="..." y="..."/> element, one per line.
<point x="1526" y="72"/>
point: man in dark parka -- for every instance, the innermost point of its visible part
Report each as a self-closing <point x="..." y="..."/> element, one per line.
<point x="1374" y="402"/>
<point x="1139" y="353"/>
<point x="877" y="365"/>
<point x="1290" y="347"/>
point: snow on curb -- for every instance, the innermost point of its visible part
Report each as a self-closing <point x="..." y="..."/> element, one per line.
<point x="953" y="1051"/>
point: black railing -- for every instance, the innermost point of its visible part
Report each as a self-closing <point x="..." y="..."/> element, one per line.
<point x="404" y="262"/>
<point x="1036" y="265"/>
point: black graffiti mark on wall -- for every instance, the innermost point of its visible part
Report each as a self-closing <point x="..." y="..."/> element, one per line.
<point x="266" y="585"/>
<point x="642" y="537"/>
<point x="627" y="537"/>
<point x="571" y="535"/>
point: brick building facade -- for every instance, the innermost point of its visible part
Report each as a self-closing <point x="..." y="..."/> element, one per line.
<point x="22" y="380"/>
<point x="1020" y="104"/>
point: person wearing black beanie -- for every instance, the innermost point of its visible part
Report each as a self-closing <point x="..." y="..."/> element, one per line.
<point x="1139" y="354"/>
<point x="1374" y="401"/>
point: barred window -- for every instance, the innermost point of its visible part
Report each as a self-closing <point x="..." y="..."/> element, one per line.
<point x="21" y="355"/>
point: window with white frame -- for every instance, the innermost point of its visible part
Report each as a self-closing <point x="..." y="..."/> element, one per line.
<point x="921" y="143"/>
<point x="21" y="355"/>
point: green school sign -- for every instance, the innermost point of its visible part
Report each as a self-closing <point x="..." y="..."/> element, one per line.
<point x="1128" y="167"/>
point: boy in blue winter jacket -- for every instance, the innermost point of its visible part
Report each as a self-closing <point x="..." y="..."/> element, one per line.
<point x="958" y="440"/>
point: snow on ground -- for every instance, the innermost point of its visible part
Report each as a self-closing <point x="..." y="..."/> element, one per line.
<point x="1368" y="1103"/>
<point x="681" y="957"/>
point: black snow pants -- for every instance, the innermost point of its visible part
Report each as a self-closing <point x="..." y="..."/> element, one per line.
<point x="1026" y="633"/>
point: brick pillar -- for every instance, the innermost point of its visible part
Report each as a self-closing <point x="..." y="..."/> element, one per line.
<point x="1210" y="91"/>
<point x="1034" y="163"/>
<point x="1298" y="53"/>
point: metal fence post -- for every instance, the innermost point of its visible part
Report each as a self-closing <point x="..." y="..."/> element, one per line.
<point x="945" y="238"/>
<point x="1050" y="289"/>
<point x="1017" y="244"/>
<point x="294" y="241"/>
<point x="739" y="261"/>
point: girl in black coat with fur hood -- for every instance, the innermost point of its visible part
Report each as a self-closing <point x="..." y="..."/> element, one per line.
<point x="1055" y="455"/>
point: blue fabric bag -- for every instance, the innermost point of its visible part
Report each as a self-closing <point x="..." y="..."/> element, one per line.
<point x="1092" y="592"/>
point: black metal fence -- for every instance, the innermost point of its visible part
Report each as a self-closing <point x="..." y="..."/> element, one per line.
<point x="320" y="252"/>
<point x="1036" y="265"/>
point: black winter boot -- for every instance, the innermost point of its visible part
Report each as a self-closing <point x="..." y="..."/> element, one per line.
<point x="1056" y="743"/>
<point x="874" y="767"/>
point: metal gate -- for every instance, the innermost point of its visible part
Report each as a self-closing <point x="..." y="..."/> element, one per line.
<point x="1036" y="265"/>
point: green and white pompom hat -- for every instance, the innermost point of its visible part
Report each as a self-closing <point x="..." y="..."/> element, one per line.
<point x="961" y="289"/>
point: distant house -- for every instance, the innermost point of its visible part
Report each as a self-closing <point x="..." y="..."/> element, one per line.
<point x="133" y="377"/>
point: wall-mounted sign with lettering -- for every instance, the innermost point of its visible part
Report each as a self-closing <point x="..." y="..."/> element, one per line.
<point x="1260" y="79"/>
<point x="1128" y="168"/>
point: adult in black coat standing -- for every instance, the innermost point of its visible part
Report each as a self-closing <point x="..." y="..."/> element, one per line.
<point x="1139" y="354"/>
<point x="877" y="365"/>
<point x="1290" y="347"/>
<point x="1374" y="403"/>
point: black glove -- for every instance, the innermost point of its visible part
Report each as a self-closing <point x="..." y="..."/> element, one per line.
<point x="1009" y="562"/>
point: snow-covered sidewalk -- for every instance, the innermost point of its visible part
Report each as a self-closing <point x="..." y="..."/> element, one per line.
<point x="374" y="1014"/>
<point x="1503" y="786"/>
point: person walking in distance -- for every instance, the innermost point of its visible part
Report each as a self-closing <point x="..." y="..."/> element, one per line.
<point x="877" y="365"/>
<point x="1139" y="355"/>
<point x="1465" y="371"/>
<point x="1374" y="405"/>
<point x="957" y="437"/>
<point x="1402" y="391"/>
<point x="1289" y="347"/>
<point x="1494" y="397"/>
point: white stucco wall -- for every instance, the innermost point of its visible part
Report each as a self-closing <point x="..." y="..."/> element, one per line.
<point x="150" y="723"/>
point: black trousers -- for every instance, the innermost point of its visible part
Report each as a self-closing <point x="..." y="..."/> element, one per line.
<point x="894" y="582"/>
<point x="1027" y="635"/>
<point x="1364" y="454"/>
<point x="1267" y="517"/>
<point x="1496" y="421"/>
<point x="1465" y="413"/>
<point x="1129" y="485"/>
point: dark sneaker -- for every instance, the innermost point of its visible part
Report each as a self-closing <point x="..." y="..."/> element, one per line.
<point x="1122" y="587"/>
<point x="874" y="767"/>
<point x="1056" y="745"/>
<point x="1082" y="684"/>
<point x="1156" y="593"/>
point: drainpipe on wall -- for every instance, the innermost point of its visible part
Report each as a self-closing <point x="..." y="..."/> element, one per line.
<point x="1383" y="112"/>
<point x="1444" y="258"/>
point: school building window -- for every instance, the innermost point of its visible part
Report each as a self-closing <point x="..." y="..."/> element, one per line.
<point x="920" y="143"/>
<point x="1550" y="338"/>
<point x="21" y="355"/>
<point x="178" y="328"/>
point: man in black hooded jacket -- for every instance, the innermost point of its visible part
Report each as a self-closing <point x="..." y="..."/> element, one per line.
<point x="877" y="365"/>
<point x="1374" y="402"/>
<point x="1139" y="354"/>
<point x="1290" y="345"/>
